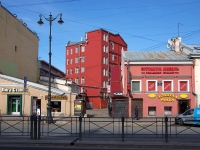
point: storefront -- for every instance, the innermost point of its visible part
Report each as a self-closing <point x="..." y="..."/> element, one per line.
<point x="15" y="100"/>
<point x="159" y="88"/>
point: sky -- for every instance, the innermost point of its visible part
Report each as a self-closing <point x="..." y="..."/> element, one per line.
<point x="145" y="25"/>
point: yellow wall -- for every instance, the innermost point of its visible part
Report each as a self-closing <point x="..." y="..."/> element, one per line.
<point x="18" y="47"/>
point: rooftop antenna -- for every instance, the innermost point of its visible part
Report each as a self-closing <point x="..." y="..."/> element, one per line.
<point x="178" y="28"/>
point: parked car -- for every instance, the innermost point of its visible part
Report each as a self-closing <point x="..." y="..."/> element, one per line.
<point x="190" y="116"/>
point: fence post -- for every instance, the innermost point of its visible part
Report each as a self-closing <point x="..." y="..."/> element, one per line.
<point x="31" y="133"/>
<point x="35" y="127"/>
<point x="80" y="128"/>
<point x="166" y="129"/>
<point x="122" y="129"/>
<point x="39" y="125"/>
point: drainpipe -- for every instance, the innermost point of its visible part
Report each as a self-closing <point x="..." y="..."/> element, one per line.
<point x="196" y="98"/>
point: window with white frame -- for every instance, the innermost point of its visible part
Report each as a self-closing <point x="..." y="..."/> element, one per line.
<point x="106" y="49"/>
<point x="71" y="71"/>
<point x="152" y="111"/>
<point x="76" y="80"/>
<point x="76" y="49"/>
<point x="76" y="70"/>
<point x="107" y="72"/>
<point x="83" y="59"/>
<point x="183" y="86"/>
<point x="82" y="69"/>
<point x="83" y="49"/>
<point x="167" y="110"/>
<point x="104" y="84"/>
<point x="151" y="86"/>
<point x="76" y="60"/>
<point x="71" y="51"/>
<point x="106" y="38"/>
<point x="104" y="60"/>
<point x="113" y="45"/>
<point x="82" y="80"/>
<point x="67" y="52"/>
<point x="71" y="61"/>
<point x="167" y="86"/>
<point x="104" y="72"/>
<point x="136" y="86"/>
<point x="113" y="57"/>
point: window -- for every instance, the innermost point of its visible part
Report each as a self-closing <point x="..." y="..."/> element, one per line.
<point x="71" y="51"/>
<point x="76" y="49"/>
<point x="76" y="80"/>
<point x="104" y="84"/>
<point x="104" y="72"/>
<point x="82" y="69"/>
<point x="151" y="86"/>
<point x="83" y="59"/>
<point x="167" y="86"/>
<point x="107" y="72"/>
<point x="67" y="52"/>
<point x="83" y="49"/>
<point x="183" y="86"/>
<point x="76" y="60"/>
<point x="71" y="71"/>
<point x="106" y="38"/>
<point x="67" y="61"/>
<point x="113" y="57"/>
<point x="82" y="80"/>
<point x="71" y="61"/>
<point x="104" y="60"/>
<point x="168" y="110"/>
<point x="152" y="111"/>
<point x="104" y="48"/>
<point x="67" y="71"/>
<point x="136" y="86"/>
<point x="56" y="106"/>
<point x="112" y="44"/>
<point x="76" y="70"/>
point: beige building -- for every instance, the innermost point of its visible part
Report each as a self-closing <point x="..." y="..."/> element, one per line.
<point x="14" y="101"/>
<point x="18" y="47"/>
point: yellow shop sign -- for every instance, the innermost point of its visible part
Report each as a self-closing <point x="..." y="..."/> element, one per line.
<point x="152" y="95"/>
<point x="167" y="97"/>
<point x="183" y="96"/>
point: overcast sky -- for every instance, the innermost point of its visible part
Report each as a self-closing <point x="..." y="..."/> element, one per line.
<point x="145" y="25"/>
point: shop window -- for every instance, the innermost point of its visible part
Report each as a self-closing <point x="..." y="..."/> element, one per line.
<point x="168" y="111"/>
<point x="151" y="85"/>
<point x="136" y="86"/>
<point x="152" y="111"/>
<point x="167" y="86"/>
<point x="56" y="106"/>
<point x="183" y="86"/>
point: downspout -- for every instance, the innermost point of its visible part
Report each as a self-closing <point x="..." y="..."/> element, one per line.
<point x="193" y="78"/>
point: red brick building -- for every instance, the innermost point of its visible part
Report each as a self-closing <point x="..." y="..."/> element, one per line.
<point x="88" y="63"/>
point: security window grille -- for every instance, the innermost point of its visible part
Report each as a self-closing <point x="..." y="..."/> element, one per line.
<point x="136" y="86"/>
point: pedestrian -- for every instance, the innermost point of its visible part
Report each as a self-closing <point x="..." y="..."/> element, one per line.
<point x="187" y="108"/>
<point x="136" y="112"/>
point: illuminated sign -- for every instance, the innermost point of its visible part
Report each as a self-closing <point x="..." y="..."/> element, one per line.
<point x="167" y="97"/>
<point x="152" y="95"/>
<point x="13" y="90"/>
<point x="57" y="97"/>
<point x="183" y="96"/>
<point x="160" y="70"/>
<point x="118" y="93"/>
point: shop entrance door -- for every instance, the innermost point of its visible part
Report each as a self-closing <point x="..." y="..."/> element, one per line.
<point x="15" y="106"/>
<point x="183" y="105"/>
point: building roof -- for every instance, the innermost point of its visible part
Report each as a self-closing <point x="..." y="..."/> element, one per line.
<point x="34" y="85"/>
<point x="194" y="48"/>
<point x="155" y="56"/>
<point x="74" y="43"/>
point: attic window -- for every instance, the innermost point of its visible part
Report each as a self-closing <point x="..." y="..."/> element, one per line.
<point x="197" y="48"/>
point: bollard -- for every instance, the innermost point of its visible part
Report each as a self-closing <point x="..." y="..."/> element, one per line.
<point x="80" y="128"/>
<point x="35" y="127"/>
<point x="166" y="129"/>
<point x="122" y="129"/>
<point x="39" y="125"/>
<point x="31" y="133"/>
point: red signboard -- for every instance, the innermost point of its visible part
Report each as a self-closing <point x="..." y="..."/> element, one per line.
<point x="159" y="70"/>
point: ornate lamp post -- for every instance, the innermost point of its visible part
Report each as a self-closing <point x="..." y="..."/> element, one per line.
<point x="49" y="118"/>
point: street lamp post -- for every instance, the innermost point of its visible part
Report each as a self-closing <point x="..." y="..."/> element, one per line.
<point x="49" y="118"/>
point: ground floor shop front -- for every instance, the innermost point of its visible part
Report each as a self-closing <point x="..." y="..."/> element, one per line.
<point x="17" y="100"/>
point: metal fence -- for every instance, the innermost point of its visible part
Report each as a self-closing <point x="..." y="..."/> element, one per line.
<point x="102" y="128"/>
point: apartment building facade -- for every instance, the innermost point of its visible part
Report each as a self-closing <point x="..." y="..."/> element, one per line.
<point x="88" y="64"/>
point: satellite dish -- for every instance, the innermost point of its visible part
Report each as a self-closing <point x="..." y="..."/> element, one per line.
<point x="169" y="43"/>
